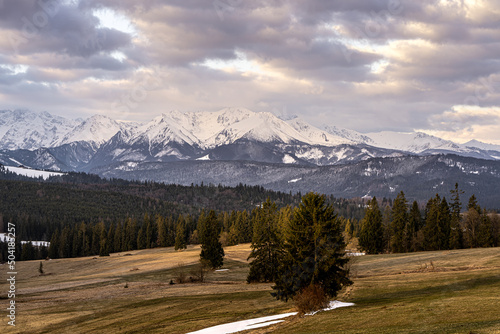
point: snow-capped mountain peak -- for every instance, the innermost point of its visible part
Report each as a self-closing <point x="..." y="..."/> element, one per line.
<point x="317" y="136"/>
<point x="23" y="129"/>
<point x="484" y="146"/>
<point x="414" y="142"/>
<point x="96" y="130"/>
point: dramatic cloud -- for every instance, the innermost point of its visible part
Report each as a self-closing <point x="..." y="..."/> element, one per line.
<point x="374" y="65"/>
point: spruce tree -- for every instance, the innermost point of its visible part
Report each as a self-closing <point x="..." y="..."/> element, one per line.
<point x="141" y="238"/>
<point x="180" y="234"/>
<point x="117" y="242"/>
<point x="111" y="238"/>
<point x="412" y="228"/>
<point x="103" y="240"/>
<point x="398" y="224"/>
<point x="431" y="228"/>
<point x="162" y="232"/>
<point x="54" y="245"/>
<point x="211" y="248"/>
<point x="371" y="236"/>
<point x="444" y="221"/>
<point x="266" y="245"/>
<point x="456" y="234"/>
<point x="472" y="224"/>
<point x="314" y="251"/>
<point x="484" y="237"/>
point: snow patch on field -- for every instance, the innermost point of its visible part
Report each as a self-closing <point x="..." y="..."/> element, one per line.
<point x="244" y="325"/>
<point x="32" y="172"/>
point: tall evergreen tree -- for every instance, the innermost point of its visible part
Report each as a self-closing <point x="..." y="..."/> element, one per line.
<point x="266" y="245"/>
<point x="444" y="221"/>
<point x="111" y="238"/>
<point x="141" y="238"/>
<point x="117" y="242"/>
<point x="54" y="245"/>
<point x="472" y="223"/>
<point x="413" y="226"/>
<point x="211" y="248"/>
<point x="456" y="234"/>
<point x="386" y="224"/>
<point x="162" y="232"/>
<point x="398" y="224"/>
<point x="314" y="251"/>
<point x="431" y="228"/>
<point x="371" y="236"/>
<point x="180" y="234"/>
<point x="103" y="240"/>
<point x="484" y="237"/>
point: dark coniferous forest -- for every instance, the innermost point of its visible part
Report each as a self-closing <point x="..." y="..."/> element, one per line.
<point x="85" y="215"/>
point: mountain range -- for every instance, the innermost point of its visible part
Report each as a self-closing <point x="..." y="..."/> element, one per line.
<point x="236" y="145"/>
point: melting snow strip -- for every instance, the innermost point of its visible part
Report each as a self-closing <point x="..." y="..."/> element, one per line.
<point x="243" y="325"/>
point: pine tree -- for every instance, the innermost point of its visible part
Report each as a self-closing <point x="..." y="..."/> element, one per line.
<point x="96" y="241"/>
<point x="456" y="234"/>
<point x="431" y="228"/>
<point x="28" y="252"/>
<point x="444" y="221"/>
<point x="484" y="237"/>
<point x="162" y="232"/>
<point x="141" y="238"/>
<point x="180" y="234"/>
<point x="103" y="239"/>
<point x="371" y="236"/>
<point x="398" y="224"/>
<point x="151" y="234"/>
<point x="472" y="223"/>
<point x="111" y="238"/>
<point x="314" y="251"/>
<point x="54" y="245"/>
<point x="117" y="242"/>
<point x="266" y="245"/>
<point x="473" y="204"/>
<point x="211" y="248"/>
<point x="412" y="228"/>
<point x="386" y="225"/>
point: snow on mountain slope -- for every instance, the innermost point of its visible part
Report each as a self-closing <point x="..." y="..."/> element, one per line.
<point x="22" y="129"/>
<point x="481" y="145"/>
<point x="161" y="130"/>
<point x="226" y="126"/>
<point x="351" y="135"/>
<point x="317" y="136"/>
<point x="95" y="130"/>
<point x="32" y="172"/>
<point x="261" y="127"/>
<point x="415" y="142"/>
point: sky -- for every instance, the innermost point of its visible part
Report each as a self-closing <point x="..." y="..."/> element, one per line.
<point x="397" y="65"/>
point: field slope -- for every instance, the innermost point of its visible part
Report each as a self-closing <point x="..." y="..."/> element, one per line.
<point x="429" y="292"/>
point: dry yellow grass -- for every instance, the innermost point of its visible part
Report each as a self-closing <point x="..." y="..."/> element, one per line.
<point x="428" y="292"/>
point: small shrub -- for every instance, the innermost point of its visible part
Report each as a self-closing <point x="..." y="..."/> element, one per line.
<point x="40" y="268"/>
<point x="199" y="271"/>
<point x="310" y="299"/>
<point x="180" y="274"/>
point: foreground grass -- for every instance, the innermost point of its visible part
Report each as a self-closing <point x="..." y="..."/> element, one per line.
<point x="428" y="292"/>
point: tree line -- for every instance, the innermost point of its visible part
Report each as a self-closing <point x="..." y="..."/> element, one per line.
<point x="403" y="228"/>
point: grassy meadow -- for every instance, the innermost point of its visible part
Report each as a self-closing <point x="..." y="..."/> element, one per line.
<point x="428" y="292"/>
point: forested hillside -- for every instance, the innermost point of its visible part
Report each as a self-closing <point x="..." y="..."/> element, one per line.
<point x="40" y="207"/>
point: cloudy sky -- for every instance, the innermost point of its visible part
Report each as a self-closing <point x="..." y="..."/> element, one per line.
<point x="372" y="65"/>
